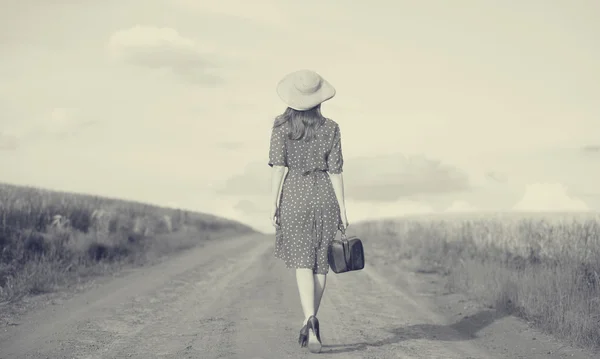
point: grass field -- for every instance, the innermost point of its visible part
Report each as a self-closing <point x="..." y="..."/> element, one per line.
<point x="544" y="268"/>
<point x="50" y="239"/>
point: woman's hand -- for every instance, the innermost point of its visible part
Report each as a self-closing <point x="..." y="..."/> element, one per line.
<point x="274" y="218"/>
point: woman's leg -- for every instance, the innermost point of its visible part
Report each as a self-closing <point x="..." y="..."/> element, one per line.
<point x="320" y="280"/>
<point x="306" y="289"/>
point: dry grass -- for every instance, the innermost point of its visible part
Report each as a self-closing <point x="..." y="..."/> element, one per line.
<point x="543" y="268"/>
<point x="51" y="239"/>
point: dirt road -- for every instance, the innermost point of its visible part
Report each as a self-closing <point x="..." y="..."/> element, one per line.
<point x="232" y="299"/>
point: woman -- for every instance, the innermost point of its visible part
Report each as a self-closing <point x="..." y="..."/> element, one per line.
<point x="311" y="205"/>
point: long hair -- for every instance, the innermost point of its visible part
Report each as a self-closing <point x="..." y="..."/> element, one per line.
<point x="302" y="124"/>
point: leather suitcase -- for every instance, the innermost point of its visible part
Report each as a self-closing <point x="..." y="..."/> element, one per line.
<point x="346" y="254"/>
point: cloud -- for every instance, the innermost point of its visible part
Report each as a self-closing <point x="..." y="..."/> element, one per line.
<point x="461" y="206"/>
<point x="372" y="210"/>
<point x="248" y="207"/>
<point x="392" y="177"/>
<point x="8" y="142"/>
<point x="60" y="122"/>
<point x="497" y="176"/>
<point x="542" y="197"/>
<point x="380" y="179"/>
<point x="254" y="210"/>
<point x="164" y="48"/>
<point x="591" y="149"/>
<point x="254" y="180"/>
<point x="66" y="121"/>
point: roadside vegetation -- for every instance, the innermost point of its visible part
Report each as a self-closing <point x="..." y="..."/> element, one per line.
<point x="541" y="267"/>
<point x="50" y="239"/>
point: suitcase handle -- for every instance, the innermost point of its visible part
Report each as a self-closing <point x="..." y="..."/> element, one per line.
<point x="343" y="231"/>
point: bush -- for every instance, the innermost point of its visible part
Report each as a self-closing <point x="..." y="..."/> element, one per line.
<point x="48" y="238"/>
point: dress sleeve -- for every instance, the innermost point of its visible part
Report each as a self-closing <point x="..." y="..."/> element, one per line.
<point x="335" y="160"/>
<point x="277" y="150"/>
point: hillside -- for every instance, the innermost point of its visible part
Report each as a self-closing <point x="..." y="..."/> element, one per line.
<point x="49" y="239"/>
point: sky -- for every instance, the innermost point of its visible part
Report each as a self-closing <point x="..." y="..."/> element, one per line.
<point x="443" y="106"/>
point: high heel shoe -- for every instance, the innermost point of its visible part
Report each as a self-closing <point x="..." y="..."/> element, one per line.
<point x="314" y="335"/>
<point x="303" y="338"/>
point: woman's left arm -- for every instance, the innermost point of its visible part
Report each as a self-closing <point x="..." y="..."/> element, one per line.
<point x="276" y="178"/>
<point x="278" y="162"/>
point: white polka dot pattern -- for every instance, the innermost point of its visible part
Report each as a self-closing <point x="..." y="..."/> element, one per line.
<point x="309" y="210"/>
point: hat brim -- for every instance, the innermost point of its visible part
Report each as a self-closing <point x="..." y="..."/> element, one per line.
<point x="301" y="101"/>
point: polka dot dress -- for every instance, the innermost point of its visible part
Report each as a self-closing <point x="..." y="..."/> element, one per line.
<point x="309" y="213"/>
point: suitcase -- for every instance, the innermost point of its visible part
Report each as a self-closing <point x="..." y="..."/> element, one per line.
<point x="346" y="254"/>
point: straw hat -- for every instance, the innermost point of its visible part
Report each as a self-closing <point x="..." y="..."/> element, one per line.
<point x="304" y="89"/>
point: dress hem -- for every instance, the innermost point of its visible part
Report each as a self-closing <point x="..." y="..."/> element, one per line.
<point x="291" y="266"/>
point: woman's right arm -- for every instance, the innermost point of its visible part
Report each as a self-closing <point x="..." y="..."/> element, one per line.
<point x="337" y="180"/>
<point x="335" y="162"/>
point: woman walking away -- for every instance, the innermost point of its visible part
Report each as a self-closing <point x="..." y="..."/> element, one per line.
<point x="310" y="208"/>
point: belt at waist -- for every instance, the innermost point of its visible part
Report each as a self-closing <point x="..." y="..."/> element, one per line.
<point x="306" y="172"/>
<point x="314" y="172"/>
